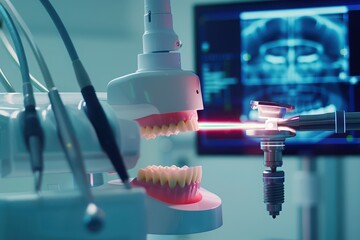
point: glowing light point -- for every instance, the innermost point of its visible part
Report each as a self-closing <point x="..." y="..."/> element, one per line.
<point x="344" y="52"/>
<point x="353" y="80"/>
<point x="349" y="138"/>
<point x="342" y="76"/>
<point x="246" y="57"/>
<point x="205" y="47"/>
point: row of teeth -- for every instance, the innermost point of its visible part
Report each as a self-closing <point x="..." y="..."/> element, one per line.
<point x="171" y="176"/>
<point x="167" y="130"/>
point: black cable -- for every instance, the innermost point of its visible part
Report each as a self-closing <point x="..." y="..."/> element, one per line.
<point x="94" y="110"/>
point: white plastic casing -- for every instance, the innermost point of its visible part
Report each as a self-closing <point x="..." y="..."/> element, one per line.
<point x="159" y="85"/>
<point x="15" y="160"/>
<point x="145" y="93"/>
<point x="159" y="35"/>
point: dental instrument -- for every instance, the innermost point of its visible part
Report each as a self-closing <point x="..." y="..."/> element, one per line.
<point x="92" y="105"/>
<point x="32" y="130"/>
<point x="93" y="216"/>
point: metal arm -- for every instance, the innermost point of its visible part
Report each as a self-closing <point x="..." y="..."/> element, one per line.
<point x="339" y="122"/>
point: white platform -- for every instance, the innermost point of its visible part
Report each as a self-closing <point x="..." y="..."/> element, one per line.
<point x="129" y="214"/>
<point x="177" y="219"/>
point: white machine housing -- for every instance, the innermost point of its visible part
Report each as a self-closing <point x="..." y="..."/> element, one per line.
<point x="15" y="159"/>
<point x="159" y="85"/>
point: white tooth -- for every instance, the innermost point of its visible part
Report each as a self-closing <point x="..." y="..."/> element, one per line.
<point x="153" y="134"/>
<point x="152" y="174"/>
<point x="148" y="130"/>
<point x="181" y="177"/>
<point x="188" y="125"/>
<point x="198" y="173"/>
<point x="148" y="177"/>
<point x="191" y="174"/>
<point x="159" y="132"/>
<point x="177" y="130"/>
<point x="163" y="177"/>
<point x="182" y="126"/>
<point x="172" y="128"/>
<point x="188" y="176"/>
<point x="156" y="130"/>
<point x="172" y="182"/>
<point x="197" y="176"/>
<point x="156" y="176"/>
<point x="164" y="128"/>
<point x="195" y="124"/>
<point x="141" y="175"/>
<point x="191" y="126"/>
<point x="172" y="176"/>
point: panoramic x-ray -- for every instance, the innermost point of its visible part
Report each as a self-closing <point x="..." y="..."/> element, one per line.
<point x="299" y="49"/>
<point x="296" y="58"/>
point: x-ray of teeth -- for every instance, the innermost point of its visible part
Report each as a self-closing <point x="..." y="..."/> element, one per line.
<point x="305" y="57"/>
<point x="289" y="59"/>
<point x="301" y="49"/>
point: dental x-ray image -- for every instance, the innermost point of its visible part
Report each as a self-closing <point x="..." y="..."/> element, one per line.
<point x="283" y="51"/>
<point x="297" y="57"/>
<point x="303" y="46"/>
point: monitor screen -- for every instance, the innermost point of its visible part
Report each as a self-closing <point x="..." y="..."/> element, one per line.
<point x="302" y="53"/>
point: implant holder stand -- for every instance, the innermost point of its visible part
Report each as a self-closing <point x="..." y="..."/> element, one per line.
<point x="272" y="142"/>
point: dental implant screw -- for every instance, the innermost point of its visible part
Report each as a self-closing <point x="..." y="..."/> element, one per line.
<point x="274" y="191"/>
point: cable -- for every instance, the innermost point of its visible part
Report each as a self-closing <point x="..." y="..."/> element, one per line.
<point x="13" y="55"/>
<point x="28" y="35"/>
<point x="93" y="215"/>
<point x="33" y="134"/>
<point x="61" y="29"/>
<point x="5" y="82"/>
<point x="94" y="110"/>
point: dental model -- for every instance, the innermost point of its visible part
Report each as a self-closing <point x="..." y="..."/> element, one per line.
<point x="168" y="124"/>
<point x="172" y="185"/>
